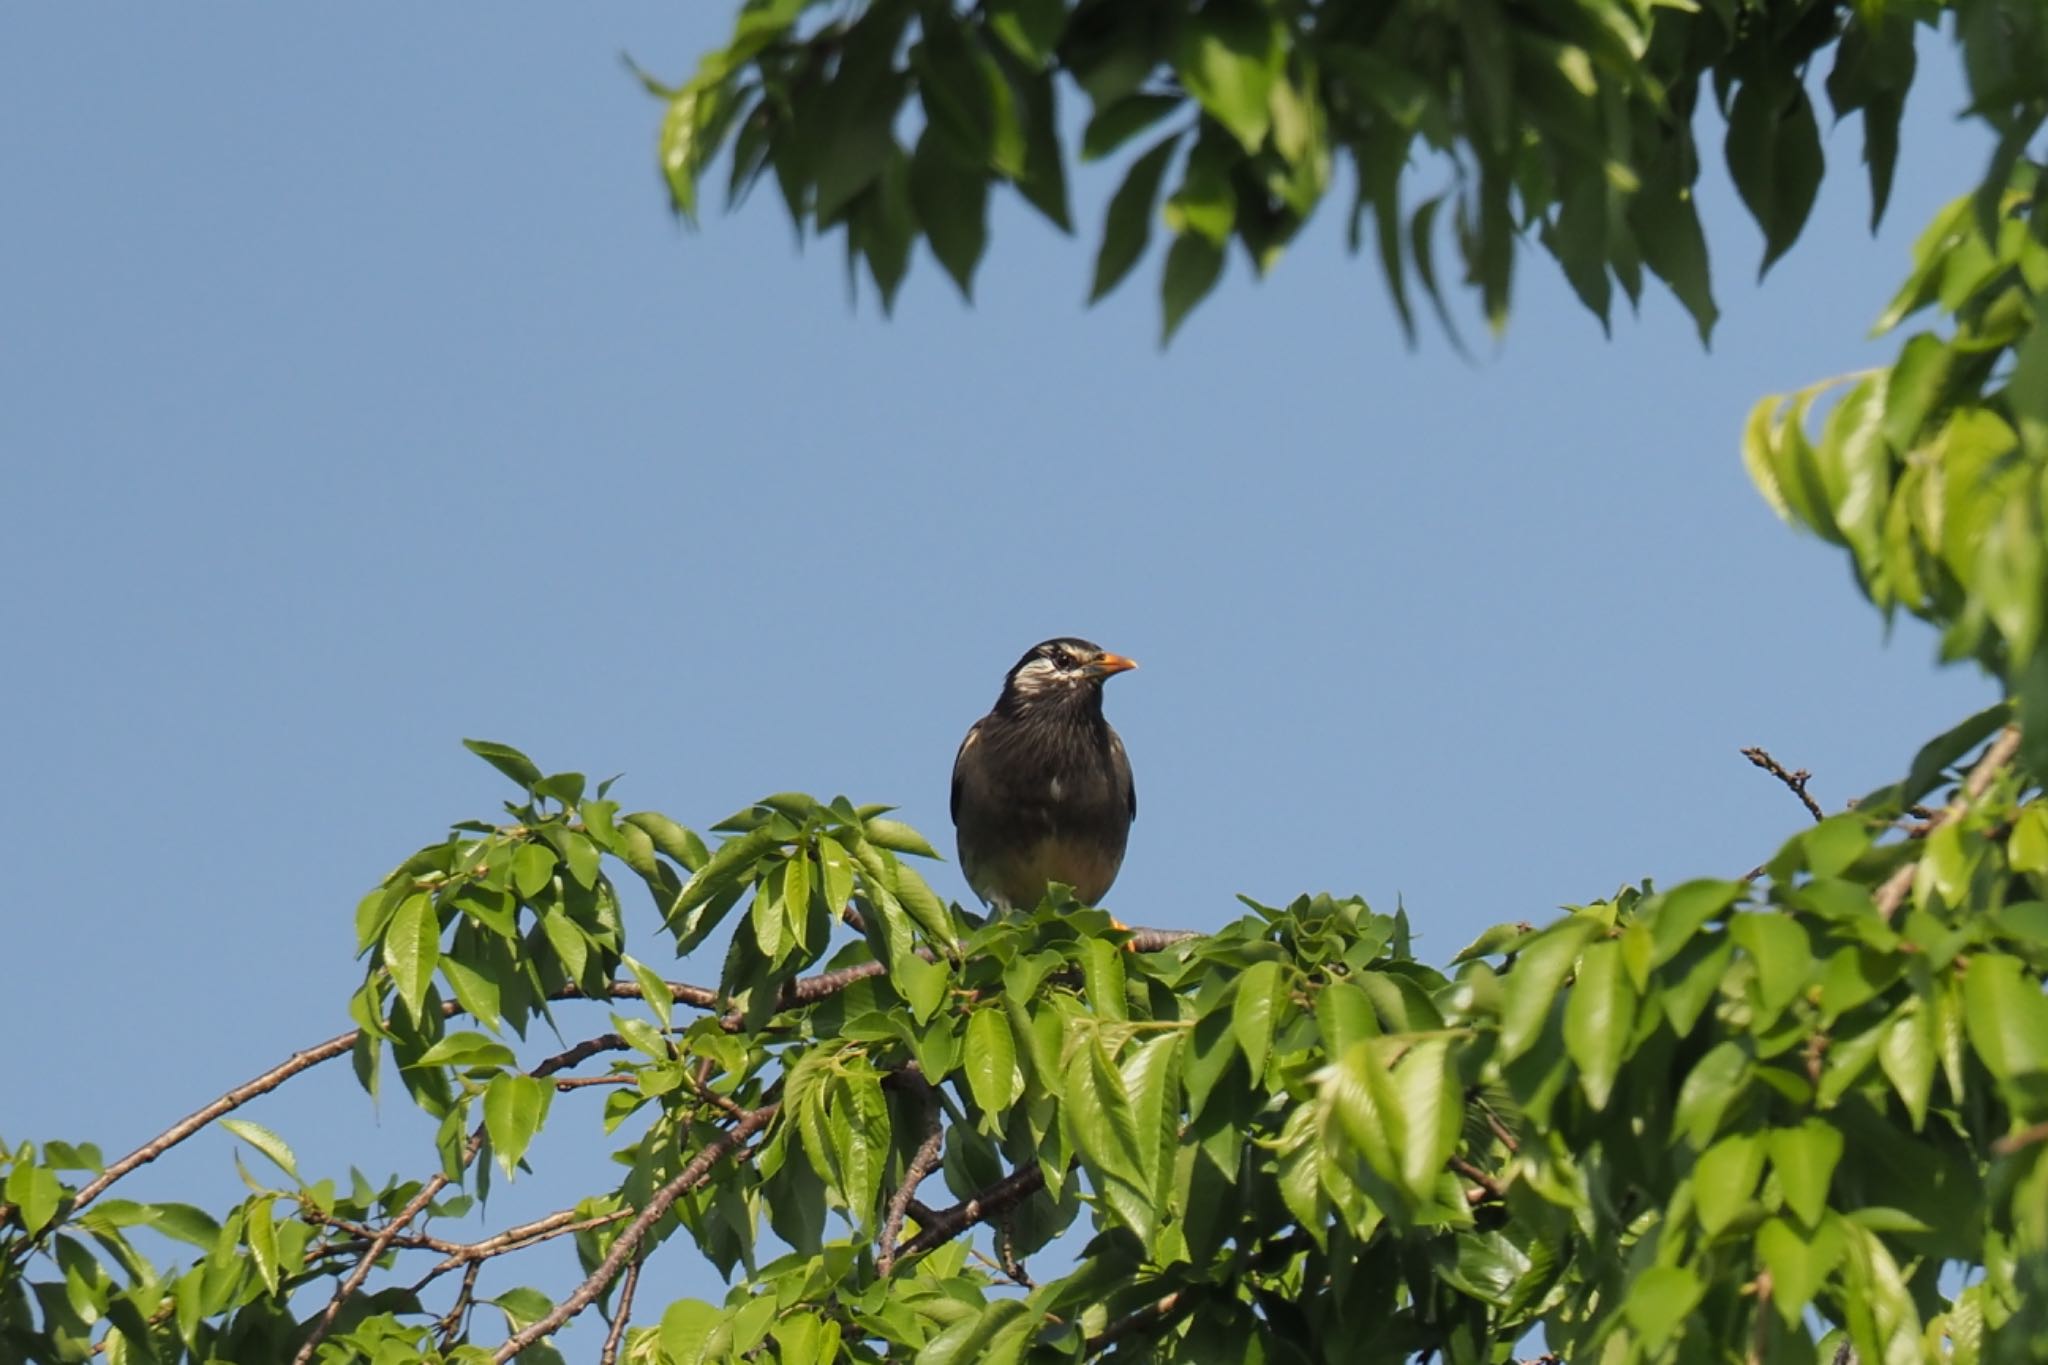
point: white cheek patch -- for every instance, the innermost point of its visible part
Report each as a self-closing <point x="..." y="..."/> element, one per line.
<point x="1057" y="790"/>
<point x="1036" y="676"/>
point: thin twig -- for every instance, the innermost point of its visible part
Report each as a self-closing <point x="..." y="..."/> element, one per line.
<point x="1013" y="1265"/>
<point x="1154" y="1314"/>
<point x="922" y="1162"/>
<point x="228" y="1103"/>
<point x="631" y="1282"/>
<point x="1794" y="782"/>
<point x="1892" y="894"/>
<point x="555" y="1225"/>
<point x="1500" y="1130"/>
<point x="1488" y="1187"/>
<point x="564" y="1084"/>
<point x="2024" y="1138"/>
<point x="692" y="1175"/>
<point x="451" y="1321"/>
<point x="1760" y="1332"/>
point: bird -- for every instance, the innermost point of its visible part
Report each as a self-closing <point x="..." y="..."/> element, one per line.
<point x="1042" y="788"/>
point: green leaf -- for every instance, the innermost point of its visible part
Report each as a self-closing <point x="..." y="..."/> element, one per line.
<point x="991" y="1063"/>
<point x="1031" y="28"/>
<point x="966" y="100"/>
<point x="1260" y="993"/>
<point x="1774" y="157"/>
<point x="653" y="989"/>
<point x="679" y="845"/>
<point x="476" y="988"/>
<point x="1677" y="915"/>
<point x="766" y="917"/>
<point x="1532" y="982"/>
<point x="465" y="1049"/>
<point x="1123" y="120"/>
<point x="2027" y="849"/>
<point x="686" y="1328"/>
<point x="1228" y="55"/>
<point x="966" y="1340"/>
<point x="1783" y="955"/>
<point x="1665" y="216"/>
<point x="2006" y="1016"/>
<point x="35" y="1192"/>
<point x="1946" y="750"/>
<point x="1804" y="1159"/>
<point x="1432" y="1108"/>
<point x="1799" y="1263"/>
<point x="899" y="837"/>
<point x="922" y="984"/>
<point x="691" y="130"/>
<point x="514" y="1109"/>
<point x="1660" y="1299"/>
<point x="373" y="912"/>
<point x="270" y="1144"/>
<point x="412" y="949"/>
<point x="1193" y="265"/>
<point x="924" y="906"/>
<point x="1724" y="1179"/>
<point x="1151" y="1075"/>
<point x="506" y="760"/>
<point x="1097" y="1113"/>
<point x="1128" y="227"/>
<point x="259" y="1233"/>
<point x="1102" y="972"/>
<point x="1599" y="1017"/>
<point x="1042" y="177"/>
<point x="1344" y="1015"/>
<point x="533" y="869"/>
<point x="1714" y="1083"/>
<point x="951" y="203"/>
<point x="567" y="939"/>
<point x="1907" y="1056"/>
<point x="1206" y="201"/>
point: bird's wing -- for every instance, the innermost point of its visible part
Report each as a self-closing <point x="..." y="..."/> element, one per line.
<point x="973" y="734"/>
<point x="1120" y="764"/>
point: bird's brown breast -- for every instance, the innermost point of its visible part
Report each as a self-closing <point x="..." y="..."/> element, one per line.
<point x="1017" y="875"/>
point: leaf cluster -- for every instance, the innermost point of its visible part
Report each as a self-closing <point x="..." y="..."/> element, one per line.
<point x="1568" y="122"/>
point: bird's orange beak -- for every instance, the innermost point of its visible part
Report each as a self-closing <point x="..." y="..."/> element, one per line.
<point x="1106" y="664"/>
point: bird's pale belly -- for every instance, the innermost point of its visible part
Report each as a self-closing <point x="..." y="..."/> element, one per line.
<point x="1018" y="880"/>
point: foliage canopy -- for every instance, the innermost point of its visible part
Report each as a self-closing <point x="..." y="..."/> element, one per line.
<point x="1471" y="124"/>
<point x="1730" y="1120"/>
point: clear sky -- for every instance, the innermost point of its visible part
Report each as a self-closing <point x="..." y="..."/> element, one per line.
<point x="358" y="393"/>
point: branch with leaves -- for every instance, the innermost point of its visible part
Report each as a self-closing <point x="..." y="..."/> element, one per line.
<point x="1654" y="1101"/>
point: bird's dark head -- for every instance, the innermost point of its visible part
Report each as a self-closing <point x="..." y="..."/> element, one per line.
<point x="1065" y="668"/>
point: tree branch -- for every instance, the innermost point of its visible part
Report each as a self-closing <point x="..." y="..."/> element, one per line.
<point x="692" y="1175"/>
<point x="378" y="1246"/>
<point x="589" y="1047"/>
<point x="1794" y="782"/>
<point x="946" y="1224"/>
<point x="1892" y="894"/>
<point x="1157" y="1313"/>
<point x="802" y="991"/>
<point x="199" y="1118"/>
<point x="631" y="1282"/>
<point x="921" y="1165"/>
<point x="545" y="1229"/>
<point x="450" y="1324"/>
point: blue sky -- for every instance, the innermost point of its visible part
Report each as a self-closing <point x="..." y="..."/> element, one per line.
<point x="358" y="393"/>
